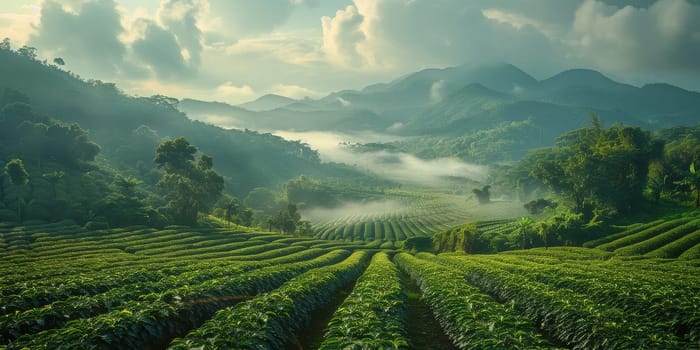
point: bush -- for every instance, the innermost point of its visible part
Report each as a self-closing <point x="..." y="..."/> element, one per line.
<point x="418" y="244"/>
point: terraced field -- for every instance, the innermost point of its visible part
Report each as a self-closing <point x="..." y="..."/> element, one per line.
<point x="63" y="287"/>
<point x="415" y="215"/>
<point x="676" y="237"/>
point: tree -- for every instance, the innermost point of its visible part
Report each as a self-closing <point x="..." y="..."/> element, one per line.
<point x="28" y="52"/>
<point x="525" y="229"/>
<point x="192" y="186"/>
<point x="53" y="178"/>
<point x="694" y="181"/>
<point x="19" y="177"/>
<point x="5" y="44"/>
<point x="127" y="185"/>
<point x="483" y="194"/>
<point x="597" y="165"/>
<point x="288" y="219"/>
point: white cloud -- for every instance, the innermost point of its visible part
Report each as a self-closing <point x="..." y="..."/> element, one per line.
<point x="230" y="90"/>
<point x="343" y="37"/>
<point x="299" y="48"/>
<point x="344" y="102"/>
<point x="437" y="90"/>
<point x="664" y="36"/>
<point x="401" y="167"/>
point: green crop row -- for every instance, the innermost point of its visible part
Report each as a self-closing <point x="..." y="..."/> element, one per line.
<point x="147" y="322"/>
<point x="373" y="316"/>
<point x="572" y="318"/>
<point x="643" y="234"/>
<point x="41" y="294"/>
<point x="470" y="318"/>
<point x="58" y="313"/>
<point x="628" y="230"/>
<point x="269" y="320"/>
<point x="659" y="240"/>
<point x="677" y="247"/>
<point x="638" y="293"/>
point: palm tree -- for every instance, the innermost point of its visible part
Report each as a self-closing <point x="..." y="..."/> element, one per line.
<point x="525" y="227"/>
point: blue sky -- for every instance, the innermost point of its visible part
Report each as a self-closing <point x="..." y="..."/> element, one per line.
<point x="237" y="50"/>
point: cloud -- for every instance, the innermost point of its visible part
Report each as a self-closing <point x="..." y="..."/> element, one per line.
<point x="240" y="18"/>
<point x="342" y="37"/>
<point x="228" y="89"/>
<point x="400" y="167"/>
<point x="160" y="50"/>
<point x="87" y="38"/>
<point x="437" y="91"/>
<point x="402" y="35"/>
<point x="298" y="48"/>
<point x="664" y="36"/>
<point x="181" y="18"/>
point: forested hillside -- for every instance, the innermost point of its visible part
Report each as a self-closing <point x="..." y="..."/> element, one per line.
<point x="128" y="128"/>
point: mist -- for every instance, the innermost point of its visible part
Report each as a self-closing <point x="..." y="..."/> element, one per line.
<point x="353" y="209"/>
<point x="396" y="166"/>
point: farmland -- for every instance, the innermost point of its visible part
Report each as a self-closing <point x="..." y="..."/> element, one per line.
<point x="67" y="287"/>
<point x="413" y="214"/>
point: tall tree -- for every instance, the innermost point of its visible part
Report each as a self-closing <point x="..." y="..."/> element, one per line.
<point x="19" y="177"/>
<point x="606" y="166"/>
<point x="192" y="186"/>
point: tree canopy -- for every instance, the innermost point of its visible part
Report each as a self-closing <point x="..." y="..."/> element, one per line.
<point x="599" y="166"/>
<point x="191" y="186"/>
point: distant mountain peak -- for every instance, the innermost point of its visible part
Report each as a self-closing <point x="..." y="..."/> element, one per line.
<point x="268" y="102"/>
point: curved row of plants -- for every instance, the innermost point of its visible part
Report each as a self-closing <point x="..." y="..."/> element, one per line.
<point x="373" y="316"/>
<point x="569" y="316"/>
<point x="157" y="316"/>
<point x="268" y="321"/>
<point x="471" y="319"/>
<point x="58" y="313"/>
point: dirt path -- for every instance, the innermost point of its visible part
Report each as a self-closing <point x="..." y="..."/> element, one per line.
<point x="424" y="332"/>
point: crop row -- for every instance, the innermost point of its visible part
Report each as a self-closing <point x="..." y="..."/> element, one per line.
<point x="671" y="303"/>
<point x="38" y="295"/>
<point x="570" y="317"/>
<point x="470" y="318"/>
<point x="269" y="320"/>
<point x="58" y="313"/>
<point x="156" y="317"/>
<point x="373" y="316"/>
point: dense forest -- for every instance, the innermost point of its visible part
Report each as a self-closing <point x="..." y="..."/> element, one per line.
<point x="88" y="151"/>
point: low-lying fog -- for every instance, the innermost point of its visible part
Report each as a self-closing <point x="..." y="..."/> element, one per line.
<point x="400" y="167"/>
<point x="357" y="209"/>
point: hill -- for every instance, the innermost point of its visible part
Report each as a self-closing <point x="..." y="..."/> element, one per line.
<point x="128" y="128"/>
<point x="268" y="102"/>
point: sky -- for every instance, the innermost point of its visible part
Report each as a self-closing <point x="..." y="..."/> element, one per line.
<point x="237" y="50"/>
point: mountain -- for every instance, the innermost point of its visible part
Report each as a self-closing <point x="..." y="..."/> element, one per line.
<point x="268" y="102"/>
<point x="297" y="116"/>
<point x="128" y="128"/>
<point x="430" y="86"/>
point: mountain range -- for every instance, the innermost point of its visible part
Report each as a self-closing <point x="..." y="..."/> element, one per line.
<point x="460" y="100"/>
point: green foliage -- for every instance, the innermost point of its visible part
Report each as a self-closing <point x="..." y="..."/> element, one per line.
<point x="287" y="219"/>
<point x="599" y="166"/>
<point x="268" y="320"/>
<point x="589" y="305"/>
<point x="192" y="187"/>
<point x="17" y="173"/>
<point x="472" y="319"/>
<point x="465" y="238"/>
<point x="418" y="244"/>
<point x="373" y="316"/>
<point x="483" y="194"/>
